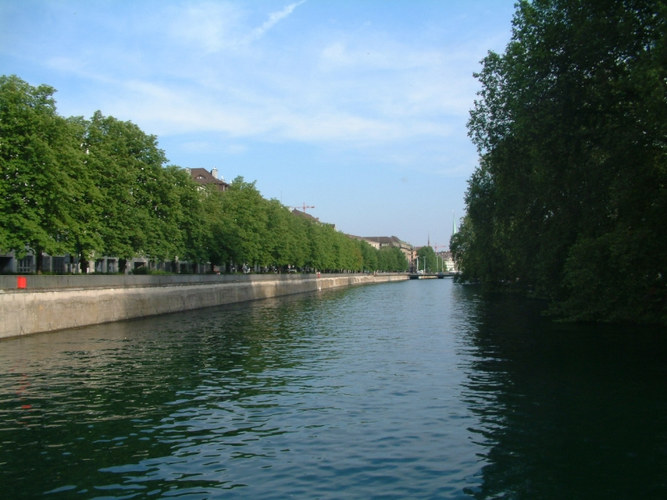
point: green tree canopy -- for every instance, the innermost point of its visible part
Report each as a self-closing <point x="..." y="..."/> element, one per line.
<point x="427" y="259"/>
<point x="244" y="223"/>
<point x="391" y="259"/>
<point x="45" y="192"/>
<point x="134" y="214"/>
<point x="100" y="187"/>
<point x="571" y="124"/>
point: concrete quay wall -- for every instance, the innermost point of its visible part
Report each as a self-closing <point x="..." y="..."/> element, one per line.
<point x="39" y="308"/>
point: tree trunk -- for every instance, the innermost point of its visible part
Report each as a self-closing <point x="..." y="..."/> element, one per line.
<point x="39" y="261"/>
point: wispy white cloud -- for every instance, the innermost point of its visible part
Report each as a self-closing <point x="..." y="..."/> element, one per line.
<point x="213" y="27"/>
<point x="274" y="18"/>
<point x="213" y="72"/>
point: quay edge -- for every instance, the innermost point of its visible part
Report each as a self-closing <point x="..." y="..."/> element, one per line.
<point x="44" y="307"/>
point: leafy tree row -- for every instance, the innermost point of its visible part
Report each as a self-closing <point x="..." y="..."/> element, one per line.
<point x="570" y="195"/>
<point x="245" y="228"/>
<point x="100" y="187"/>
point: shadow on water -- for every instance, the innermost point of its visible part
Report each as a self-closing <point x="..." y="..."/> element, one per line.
<point x="564" y="410"/>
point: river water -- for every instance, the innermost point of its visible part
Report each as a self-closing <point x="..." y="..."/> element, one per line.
<point x="416" y="389"/>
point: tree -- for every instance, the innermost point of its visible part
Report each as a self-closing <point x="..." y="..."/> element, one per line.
<point x="83" y="225"/>
<point x="44" y="190"/>
<point x="297" y="244"/>
<point x="571" y="133"/>
<point x="350" y="257"/>
<point x="127" y="166"/>
<point x="286" y="238"/>
<point x="244" y="223"/>
<point x="391" y="259"/>
<point x="214" y="248"/>
<point x="181" y="208"/>
<point x="427" y="259"/>
<point x="369" y="256"/>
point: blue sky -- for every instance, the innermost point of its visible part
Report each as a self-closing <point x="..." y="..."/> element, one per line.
<point x="356" y="107"/>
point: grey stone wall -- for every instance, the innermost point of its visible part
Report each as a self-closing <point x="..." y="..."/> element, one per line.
<point x="51" y="303"/>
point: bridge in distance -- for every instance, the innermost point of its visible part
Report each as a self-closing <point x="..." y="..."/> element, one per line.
<point x="439" y="275"/>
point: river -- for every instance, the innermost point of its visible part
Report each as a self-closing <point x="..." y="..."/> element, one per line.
<point x="415" y="389"/>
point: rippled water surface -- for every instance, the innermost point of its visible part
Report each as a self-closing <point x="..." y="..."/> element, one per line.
<point x="418" y="389"/>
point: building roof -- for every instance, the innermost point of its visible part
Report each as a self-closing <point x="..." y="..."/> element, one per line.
<point x="204" y="177"/>
<point x="300" y="213"/>
<point x="393" y="241"/>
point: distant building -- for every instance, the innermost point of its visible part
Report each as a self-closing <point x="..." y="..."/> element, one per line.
<point x="204" y="177"/>
<point x="304" y="215"/>
<point x="448" y="259"/>
<point x="380" y="242"/>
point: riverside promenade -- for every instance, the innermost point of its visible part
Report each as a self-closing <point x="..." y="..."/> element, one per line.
<point x="37" y="303"/>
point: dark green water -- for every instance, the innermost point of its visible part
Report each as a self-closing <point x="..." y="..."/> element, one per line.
<point x="419" y="389"/>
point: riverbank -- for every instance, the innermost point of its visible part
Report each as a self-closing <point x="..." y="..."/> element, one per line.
<point x="48" y="303"/>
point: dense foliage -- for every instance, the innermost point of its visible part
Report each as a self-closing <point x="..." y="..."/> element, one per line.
<point x="100" y="187"/>
<point x="569" y="198"/>
<point x="428" y="261"/>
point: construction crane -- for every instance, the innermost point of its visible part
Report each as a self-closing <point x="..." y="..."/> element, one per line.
<point x="303" y="207"/>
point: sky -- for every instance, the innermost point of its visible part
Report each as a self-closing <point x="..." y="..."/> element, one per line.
<point x="357" y="108"/>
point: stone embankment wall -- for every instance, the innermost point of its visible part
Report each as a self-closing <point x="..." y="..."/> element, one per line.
<point x="48" y="303"/>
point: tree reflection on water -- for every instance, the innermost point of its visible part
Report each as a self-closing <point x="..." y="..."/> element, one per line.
<point x="565" y="410"/>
